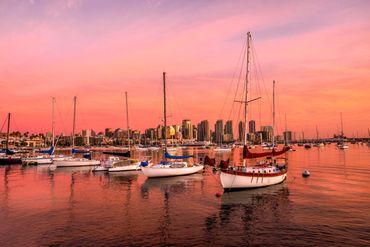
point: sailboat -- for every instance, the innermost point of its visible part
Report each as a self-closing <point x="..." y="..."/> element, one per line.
<point x="170" y="168"/>
<point x="74" y="161"/>
<point x="266" y="173"/>
<point x="120" y="165"/>
<point x="6" y="157"/>
<point x="318" y="142"/>
<point x="341" y="144"/>
<point x="47" y="157"/>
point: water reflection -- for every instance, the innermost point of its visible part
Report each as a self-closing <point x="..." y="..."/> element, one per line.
<point x="245" y="212"/>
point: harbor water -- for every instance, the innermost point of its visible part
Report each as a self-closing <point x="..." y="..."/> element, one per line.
<point x="40" y="206"/>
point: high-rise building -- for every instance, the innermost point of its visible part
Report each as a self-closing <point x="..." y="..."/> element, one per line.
<point x="252" y="126"/>
<point x="228" y="136"/>
<point x="267" y="133"/>
<point x="219" y="131"/>
<point x="108" y="132"/>
<point x="287" y="136"/>
<point x="203" y="131"/>
<point x="241" y="131"/>
<point x="187" y="129"/>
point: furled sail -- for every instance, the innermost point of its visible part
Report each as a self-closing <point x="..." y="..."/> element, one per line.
<point x="49" y="151"/>
<point x="169" y="156"/>
<point x="248" y="155"/>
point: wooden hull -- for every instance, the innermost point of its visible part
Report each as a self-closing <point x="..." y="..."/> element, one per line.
<point x="240" y="180"/>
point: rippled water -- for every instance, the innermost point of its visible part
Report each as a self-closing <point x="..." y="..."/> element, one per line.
<point x="75" y="207"/>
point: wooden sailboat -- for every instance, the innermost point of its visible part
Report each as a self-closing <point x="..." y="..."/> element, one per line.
<point x="6" y="155"/>
<point x="263" y="174"/>
<point x="74" y="161"/>
<point x="169" y="167"/>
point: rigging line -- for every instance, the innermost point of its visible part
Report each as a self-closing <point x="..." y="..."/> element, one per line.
<point x="242" y="55"/>
<point x="239" y="79"/>
<point x="263" y="81"/>
<point x="1" y="130"/>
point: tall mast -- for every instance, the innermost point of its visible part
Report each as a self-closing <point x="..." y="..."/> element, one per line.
<point x="286" y="133"/>
<point x="128" y="128"/>
<point x="164" y="113"/>
<point x="52" y="122"/>
<point x="341" y="124"/>
<point x="246" y="95"/>
<point x="7" y="132"/>
<point x="273" y="114"/>
<point x="74" y="121"/>
<point x="317" y="134"/>
<point x="246" y="90"/>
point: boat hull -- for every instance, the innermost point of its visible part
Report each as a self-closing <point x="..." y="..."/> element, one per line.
<point x="233" y="180"/>
<point x="10" y="161"/>
<point x="76" y="162"/>
<point x="134" y="167"/>
<point x="155" y="172"/>
<point x="37" y="161"/>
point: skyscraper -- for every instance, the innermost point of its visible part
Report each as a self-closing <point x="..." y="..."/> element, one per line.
<point x="229" y="136"/>
<point x="203" y="131"/>
<point x="219" y="131"/>
<point x="252" y="126"/>
<point x="187" y="129"/>
<point x="241" y="131"/>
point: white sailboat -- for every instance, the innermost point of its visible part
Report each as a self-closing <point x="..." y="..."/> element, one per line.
<point x="128" y="164"/>
<point x="170" y="168"/>
<point x="260" y="175"/>
<point x="341" y="144"/>
<point x="49" y="154"/>
<point x="74" y="161"/>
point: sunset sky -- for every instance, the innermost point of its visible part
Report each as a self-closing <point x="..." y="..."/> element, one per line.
<point x="317" y="51"/>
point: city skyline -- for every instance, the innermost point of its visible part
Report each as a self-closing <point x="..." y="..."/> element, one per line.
<point x="316" y="51"/>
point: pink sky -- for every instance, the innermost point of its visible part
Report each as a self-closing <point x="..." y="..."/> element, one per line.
<point x="317" y="51"/>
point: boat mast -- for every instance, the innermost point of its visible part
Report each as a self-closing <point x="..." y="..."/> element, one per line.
<point x="286" y="133"/>
<point x="128" y="128"/>
<point x="164" y="115"/>
<point x="273" y="114"/>
<point x="52" y="122"/>
<point x="7" y="133"/>
<point x="317" y="134"/>
<point x="341" y="124"/>
<point x="246" y="95"/>
<point x="74" y="121"/>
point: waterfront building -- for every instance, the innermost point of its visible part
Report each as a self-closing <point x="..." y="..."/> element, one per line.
<point x="187" y="129"/>
<point x="287" y="136"/>
<point x="229" y="136"/>
<point x="241" y="131"/>
<point x="219" y="131"/>
<point x="267" y="132"/>
<point x="252" y="126"/>
<point x="203" y="131"/>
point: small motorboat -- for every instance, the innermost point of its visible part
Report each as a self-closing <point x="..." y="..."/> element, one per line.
<point x="306" y="173"/>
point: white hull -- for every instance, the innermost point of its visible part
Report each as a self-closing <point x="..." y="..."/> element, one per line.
<point x="76" y="162"/>
<point x="233" y="181"/>
<point x="134" y="167"/>
<point x="167" y="171"/>
<point x="37" y="160"/>
<point x="222" y="149"/>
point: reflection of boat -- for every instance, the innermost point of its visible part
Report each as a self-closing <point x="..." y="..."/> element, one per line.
<point x="172" y="182"/>
<point x="170" y="168"/>
<point x="247" y="196"/>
